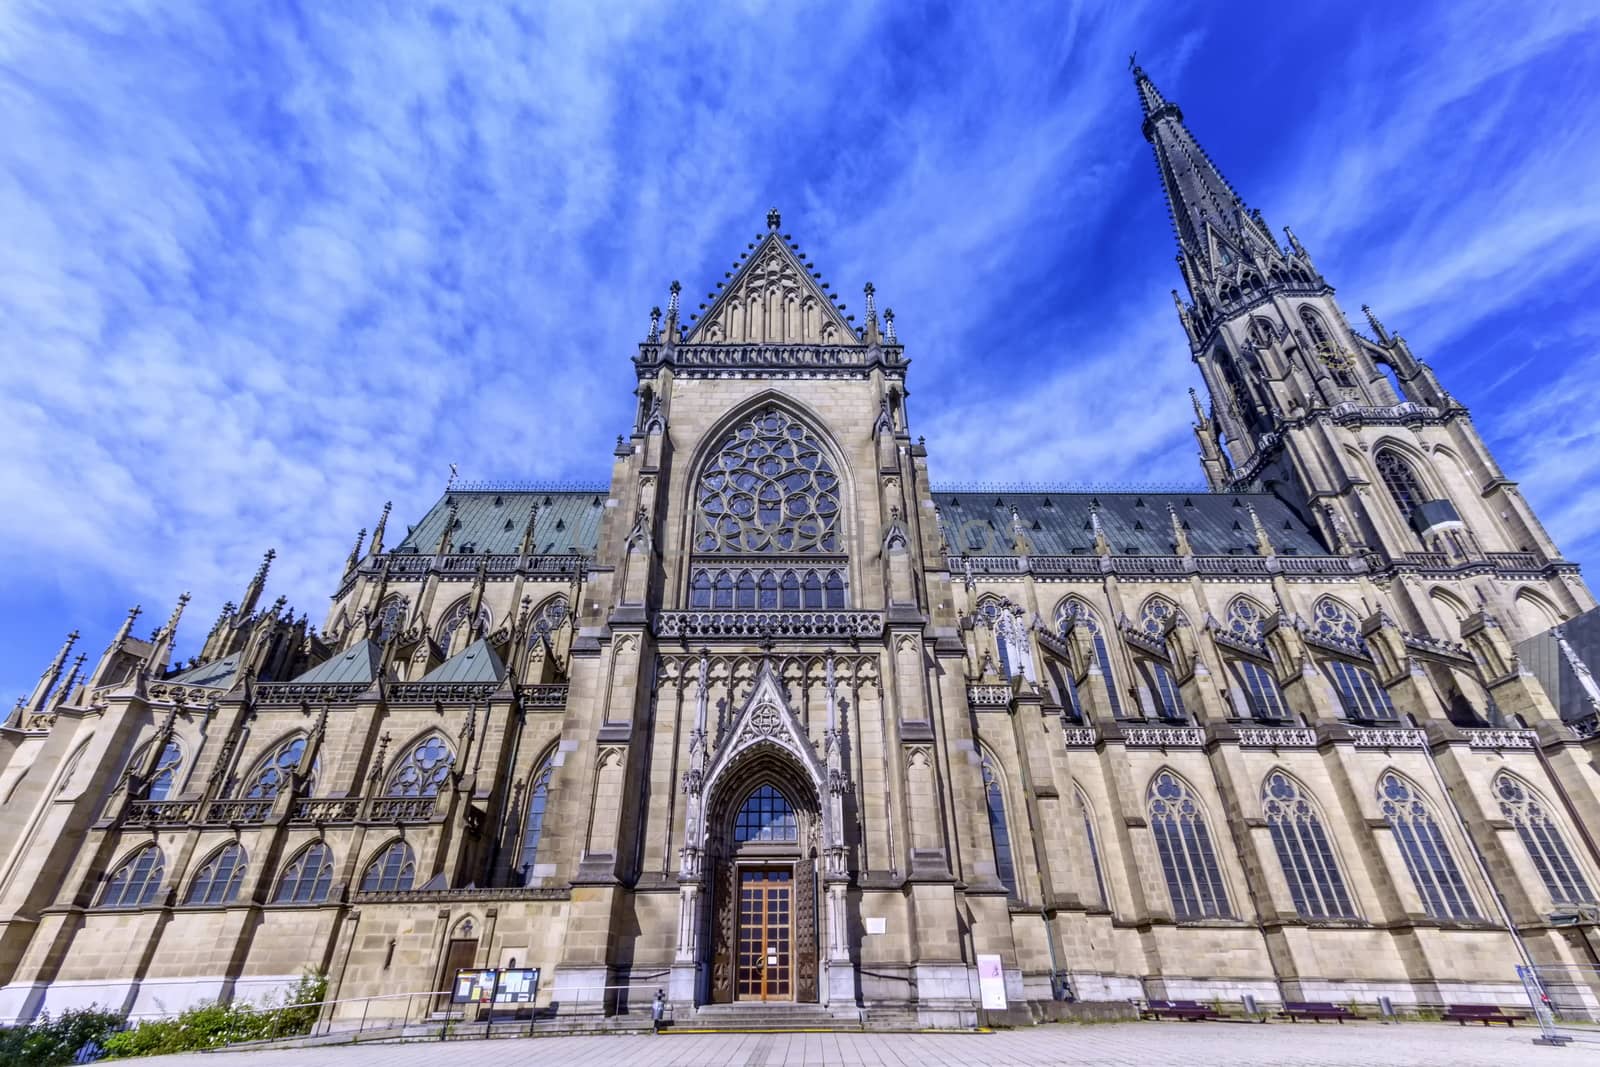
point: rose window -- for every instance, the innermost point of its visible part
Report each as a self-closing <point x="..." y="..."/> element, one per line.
<point x="769" y="489"/>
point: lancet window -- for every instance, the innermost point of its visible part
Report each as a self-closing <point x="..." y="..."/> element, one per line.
<point x="390" y="615"/>
<point x="1084" y="616"/>
<point x="767" y="588"/>
<point x="1164" y="687"/>
<point x="1360" y="694"/>
<point x="392" y="870"/>
<point x="533" y="822"/>
<point x="1304" y="850"/>
<point x="1188" y="860"/>
<point x="1004" y="861"/>
<point x="1261" y="692"/>
<point x="308" y="877"/>
<point x="165" y="774"/>
<point x="219" y="878"/>
<point x="1546" y="846"/>
<point x="1427" y="855"/>
<point x="136" y="880"/>
<point x="1400" y="480"/>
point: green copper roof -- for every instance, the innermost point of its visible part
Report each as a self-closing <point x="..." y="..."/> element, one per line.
<point x="1057" y="524"/>
<point x="492" y="522"/>
<point x="218" y="674"/>
<point x="475" y="663"/>
<point x="356" y="664"/>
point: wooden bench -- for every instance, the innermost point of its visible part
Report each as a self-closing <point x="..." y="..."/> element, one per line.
<point x="1482" y="1013"/>
<point x="1316" y="1011"/>
<point x="1189" y="1011"/>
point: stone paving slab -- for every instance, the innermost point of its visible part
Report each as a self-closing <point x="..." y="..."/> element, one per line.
<point x="1131" y="1044"/>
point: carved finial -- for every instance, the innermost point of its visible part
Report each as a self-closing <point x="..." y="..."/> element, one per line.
<point x="672" y="302"/>
<point x="355" y="551"/>
<point x="1180" y="536"/>
<point x="377" y="532"/>
<point x="1199" y="411"/>
<point x="1377" y="327"/>
<point x="655" y="325"/>
<point x="872" y="303"/>
<point x="1263" y="542"/>
<point x="888" y="326"/>
<point x="774" y="220"/>
<point x="450" y="482"/>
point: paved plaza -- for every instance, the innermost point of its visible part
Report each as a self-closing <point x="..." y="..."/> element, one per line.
<point x="1134" y="1044"/>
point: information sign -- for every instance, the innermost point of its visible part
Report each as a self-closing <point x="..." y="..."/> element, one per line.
<point x="473" y="986"/>
<point x="517" y="985"/>
<point x="991" y="983"/>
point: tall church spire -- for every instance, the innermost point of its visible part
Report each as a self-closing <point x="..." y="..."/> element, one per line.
<point x="1198" y="196"/>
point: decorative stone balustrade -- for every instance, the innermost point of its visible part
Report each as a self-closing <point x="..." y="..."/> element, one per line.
<point x="1164" y="736"/>
<point x="989" y="696"/>
<point x="1277" y="737"/>
<point x="754" y="625"/>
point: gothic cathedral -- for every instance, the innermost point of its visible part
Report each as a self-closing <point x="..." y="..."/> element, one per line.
<point x="770" y="717"/>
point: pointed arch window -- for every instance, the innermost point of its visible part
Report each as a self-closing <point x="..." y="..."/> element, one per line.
<point x="1153" y="617"/>
<point x="1401" y="481"/>
<point x="1427" y="855"/>
<point x="389" y="618"/>
<point x="1164" y="687"/>
<point x="1332" y="618"/>
<point x="274" y="773"/>
<point x="766" y="816"/>
<point x="219" y="878"/>
<point x="135" y="881"/>
<point x="308" y="877"/>
<point x="1337" y="362"/>
<point x="1087" y="814"/>
<point x="165" y="775"/>
<point x="1005" y="866"/>
<point x="451" y="628"/>
<point x="392" y="871"/>
<point x="1304" y="851"/>
<point x="768" y="488"/>
<point x="1068" y="692"/>
<point x="533" y="822"/>
<point x="700" y="591"/>
<point x="1362" y="698"/>
<point x="551" y="616"/>
<point x="1262" y="332"/>
<point x="1076" y="611"/>
<point x="1547" y="848"/>
<point x="423" y="769"/>
<point x="1261" y="692"/>
<point x="1245" y="619"/>
<point x="1188" y="860"/>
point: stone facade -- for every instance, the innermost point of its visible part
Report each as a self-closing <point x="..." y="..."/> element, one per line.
<point x="772" y="716"/>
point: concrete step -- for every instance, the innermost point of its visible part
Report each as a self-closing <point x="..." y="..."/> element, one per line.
<point x="769" y="1016"/>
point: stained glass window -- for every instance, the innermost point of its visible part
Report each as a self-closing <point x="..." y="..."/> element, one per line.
<point x="452" y="627"/>
<point x="1070" y="610"/>
<point x="423" y="770"/>
<point x="551" y="616"/>
<point x="308" y="877"/>
<point x="272" y="774"/>
<point x="1427" y="855"/>
<point x="1360" y="694"/>
<point x="1400" y="480"/>
<point x="1315" y="885"/>
<point x="165" y="775"/>
<point x="393" y="870"/>
<point x="1244" y="618"/>
<point x="219" y="878"/>
<point x="136" y="881"/>
<point x="1004" y="863"/>
<point x="766" y="815"/>
<point x="1546" y="846"/>
<point x="389" y="618"/>
<point x="533" y="824"/>
<point x="1261" y="691"/>
<point x="1169" y="700"/>
<point x="1333" y="619"/>
<point x="1188" y="860"/>
<point x="1153" y="617"/>
<point x="770" y="488"/>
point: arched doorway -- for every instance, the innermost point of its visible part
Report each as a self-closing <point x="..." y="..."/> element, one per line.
<point x="762" y="850"/>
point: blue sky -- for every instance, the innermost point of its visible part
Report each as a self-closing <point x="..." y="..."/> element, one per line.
<point x="267" y="266"/>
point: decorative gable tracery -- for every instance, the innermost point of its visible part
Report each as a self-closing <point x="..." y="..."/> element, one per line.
<point x="773" y="299"/>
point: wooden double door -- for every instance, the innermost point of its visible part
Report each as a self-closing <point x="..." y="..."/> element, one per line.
<point x="765" y="934"/>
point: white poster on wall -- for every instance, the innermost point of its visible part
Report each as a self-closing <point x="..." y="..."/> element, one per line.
<point x="991" y="982"/>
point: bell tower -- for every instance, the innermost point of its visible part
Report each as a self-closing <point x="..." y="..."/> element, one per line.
<point x="1346" y="425"/>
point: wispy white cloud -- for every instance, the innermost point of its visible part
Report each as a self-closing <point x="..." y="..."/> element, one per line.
<point x="264" y="272"/>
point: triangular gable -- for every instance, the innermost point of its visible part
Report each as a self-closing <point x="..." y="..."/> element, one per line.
<point x="773" y="299"/>
<point x="767" y="720"/>
<point x="359" y="663"/>
<point x="475" y="663"/>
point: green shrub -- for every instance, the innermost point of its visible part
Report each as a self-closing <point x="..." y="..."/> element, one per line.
<point x="214" y="1025"/>
<point x="48" y="1041"/>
